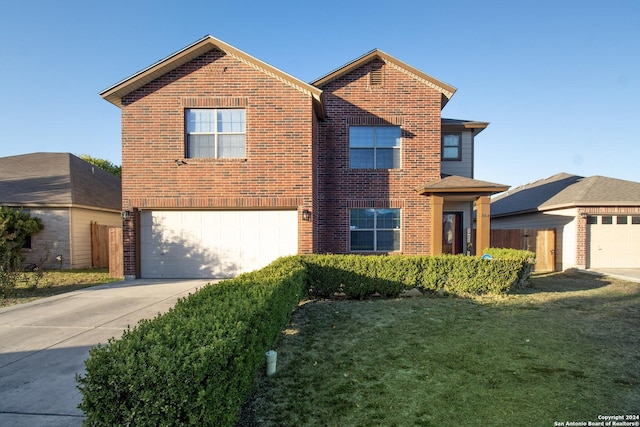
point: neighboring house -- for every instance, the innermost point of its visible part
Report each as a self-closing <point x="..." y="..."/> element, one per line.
<point x="597" y="219"/>
<point x="229" y="163"/>
<point x="67" y="194"/>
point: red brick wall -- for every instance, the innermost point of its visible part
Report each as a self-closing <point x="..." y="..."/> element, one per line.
<point x="400" y="100"/>
<point x="277" y="171"/>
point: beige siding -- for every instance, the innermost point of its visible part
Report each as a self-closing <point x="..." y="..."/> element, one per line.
<point x="81" y="220"/>
<point x="463" y="167"/>
<point x="563" y="221"/>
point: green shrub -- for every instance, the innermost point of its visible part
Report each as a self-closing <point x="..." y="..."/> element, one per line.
<point x="195" y="364"/>
<point x="360" y="276"/>
<point x="355" y="276"/>
<point x="15" y="228"/>
<point x="526" y="258"/>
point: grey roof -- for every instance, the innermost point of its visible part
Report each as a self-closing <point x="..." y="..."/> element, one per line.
<point x="56" y="179"/>
<point x="565" y="190"/>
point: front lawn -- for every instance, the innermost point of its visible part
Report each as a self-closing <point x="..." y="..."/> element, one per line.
<point x="53" y="282"/>
<point x="565" y="349"/>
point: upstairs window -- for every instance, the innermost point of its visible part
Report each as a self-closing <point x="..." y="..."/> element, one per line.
<point x="215" y="133"/>
<point x="451" y="146"/>
<point x="374" y="147"/>
<point x="374" y="230"/>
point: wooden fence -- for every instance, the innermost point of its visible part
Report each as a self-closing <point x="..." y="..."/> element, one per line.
<point x="106" y="248"/>
<point x="116" y="266"/>
<point x="99" y="245"/>
<point x="542" y="242"/>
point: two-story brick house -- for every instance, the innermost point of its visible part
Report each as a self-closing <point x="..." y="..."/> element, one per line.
<point x="229" y="163"/>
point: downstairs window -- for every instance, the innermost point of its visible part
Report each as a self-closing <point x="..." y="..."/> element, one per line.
<point x="374" y="230"/>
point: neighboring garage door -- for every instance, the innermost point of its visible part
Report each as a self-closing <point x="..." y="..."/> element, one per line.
<point x="208" y="244"/>
<point x="613" y="241"/>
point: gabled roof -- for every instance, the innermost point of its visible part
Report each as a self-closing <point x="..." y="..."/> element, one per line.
<point x="115" y="93"/>
<point x="461" y="185"/>
<point x="446" y="90"/>
<point x="564" y="190"/>
<point x="57" y="180"/>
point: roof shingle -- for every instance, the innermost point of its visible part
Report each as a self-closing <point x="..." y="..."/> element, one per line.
<point x="565" y="190"/>
<point x="56" y="179"/>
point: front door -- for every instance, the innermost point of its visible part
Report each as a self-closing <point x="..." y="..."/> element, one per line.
<point x="452" y="233"/>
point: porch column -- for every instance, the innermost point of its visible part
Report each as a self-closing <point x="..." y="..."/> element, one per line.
<point x="483" y="224"/>
<point x="437" y="203"/>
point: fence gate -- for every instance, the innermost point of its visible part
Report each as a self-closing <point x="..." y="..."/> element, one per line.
<point x="106" y="248"/>
<point x="99" y="245"/>
<point x="542" y="242"/>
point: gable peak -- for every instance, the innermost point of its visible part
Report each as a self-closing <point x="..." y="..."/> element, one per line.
<point x="446" y="90"/>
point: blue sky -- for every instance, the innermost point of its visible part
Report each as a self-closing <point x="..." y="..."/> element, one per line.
<point x="559" y="80"/>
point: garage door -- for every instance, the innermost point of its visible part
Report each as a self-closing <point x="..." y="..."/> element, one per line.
<point x="208" y="244"/>
<point x="613" y="241"/>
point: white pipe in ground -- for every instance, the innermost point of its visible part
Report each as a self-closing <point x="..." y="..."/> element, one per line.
<point x="272" y="357"/>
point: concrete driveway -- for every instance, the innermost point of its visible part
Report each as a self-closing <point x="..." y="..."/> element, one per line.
<point x="44" y="344"/>
<point x="630" y="274"/>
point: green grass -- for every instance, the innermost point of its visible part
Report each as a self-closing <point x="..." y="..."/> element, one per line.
<point x="565" y="349"/>
<point x="53" y="282"/>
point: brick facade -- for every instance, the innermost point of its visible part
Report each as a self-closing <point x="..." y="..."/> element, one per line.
<point x="398" y="100"/>
<point x="297" y="143"/>
<point x="55" y="238"/>
<point x="277" y="171"/>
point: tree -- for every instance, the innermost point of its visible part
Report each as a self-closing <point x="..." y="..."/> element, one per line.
<point x="103" y="164"/>
<point x="16" y="226"/>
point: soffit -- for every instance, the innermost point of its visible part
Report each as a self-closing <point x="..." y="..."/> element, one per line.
<point x="457" y="125"/>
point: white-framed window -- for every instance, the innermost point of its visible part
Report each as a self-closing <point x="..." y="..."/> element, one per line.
<point x="451" y="146"/>
<point x="374" y="147"/>
<point x="374" y="230"/>
<point x="215" y="133"/>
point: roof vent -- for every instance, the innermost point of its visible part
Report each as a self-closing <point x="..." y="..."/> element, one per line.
<point x="375" y="75"/>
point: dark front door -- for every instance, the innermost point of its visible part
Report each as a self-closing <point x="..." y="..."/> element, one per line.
<point x="452" y="233"/>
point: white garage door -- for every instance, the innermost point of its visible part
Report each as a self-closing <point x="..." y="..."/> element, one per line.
<point x="613" y="241"/>
<point x="208" y="244"/>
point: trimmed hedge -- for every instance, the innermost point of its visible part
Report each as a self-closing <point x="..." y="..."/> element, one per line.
<point x="526" y="258"/>
<point x="355" y="276"/>
<point x="195" y="364"/>
<point x="358" y="276"/>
